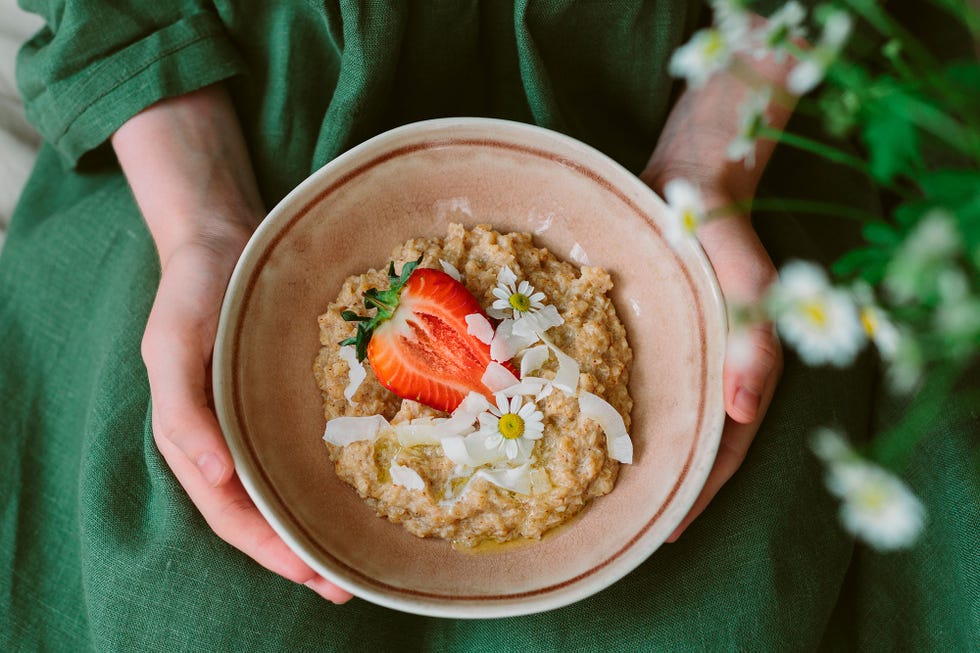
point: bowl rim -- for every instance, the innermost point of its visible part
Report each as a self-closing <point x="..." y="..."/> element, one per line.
<point x="283" y="215"/>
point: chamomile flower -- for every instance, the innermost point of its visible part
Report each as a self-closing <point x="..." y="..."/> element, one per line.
<point x="812" y="69"/>
<point x="732" y="18"/>
<point x="531" y="316"/>
<point x="779" y="31"/>
<point x="513" y="296"/>
<point x="818" y="320"/>
<point x="876" y="506"/>
<point x="685" y="210"/>
<point x="709" y="51"/>
<point x="512" y="426"/>
<point x="751" y="120"/>
<point x="920" y="262"/>
<point x="877" y="325"/>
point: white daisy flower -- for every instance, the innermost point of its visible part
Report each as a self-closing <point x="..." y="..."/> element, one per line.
<point x="685" y="210"/>
<point x="732" y="18"/>
<point x="785" y="25"/>
<point x="709" y="51"/>
<point x="906" y="367"/>
<point x="920" y="261"/>
<point x="531" y="316"/>
<point x="520" y="298"/>
<point x="877" y="325"/>
<point x="818" y="320"/>
<point x="812" y="69"/>
<point x="751" y="120"/>
<point x="876" y="507"/>
<point x="511" y="427"/>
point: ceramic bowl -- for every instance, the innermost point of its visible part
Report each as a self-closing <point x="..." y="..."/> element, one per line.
<point x="413" y="181"/>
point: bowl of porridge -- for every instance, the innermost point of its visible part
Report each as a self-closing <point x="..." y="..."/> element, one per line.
<point x="462" y="373"/>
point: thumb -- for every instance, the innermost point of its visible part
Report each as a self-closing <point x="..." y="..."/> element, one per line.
<point x="754" y="358"/>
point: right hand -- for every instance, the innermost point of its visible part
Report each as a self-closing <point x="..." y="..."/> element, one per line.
<point x="187" y="164"/>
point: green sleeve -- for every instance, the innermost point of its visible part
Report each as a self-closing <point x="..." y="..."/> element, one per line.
<point x="96" y="64"/>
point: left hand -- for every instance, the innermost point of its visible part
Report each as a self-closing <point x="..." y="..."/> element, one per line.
<point x="693" y="145"/>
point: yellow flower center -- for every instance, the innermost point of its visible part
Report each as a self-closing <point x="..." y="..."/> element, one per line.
<point x="511" y="426"/>
<point x="520" y="302"/>
<point x="868" y="321"/>
<point x="690" y="221"/>
<point x="873" y="497"/>
<point x="814" y="311"/>
<point x="714" y="43"/>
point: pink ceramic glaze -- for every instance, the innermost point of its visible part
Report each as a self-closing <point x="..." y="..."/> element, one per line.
<point x="413" y="181"/>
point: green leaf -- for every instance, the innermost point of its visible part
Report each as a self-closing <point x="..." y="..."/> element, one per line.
<point x="893" y="145"/>
<point x="867" y="263"/>
<point x="881" y="234"/>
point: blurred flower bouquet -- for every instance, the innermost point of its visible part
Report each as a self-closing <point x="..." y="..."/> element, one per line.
<point x="912" y="290"/>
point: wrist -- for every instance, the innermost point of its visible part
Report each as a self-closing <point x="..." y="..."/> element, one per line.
<point x="187" y="164"/>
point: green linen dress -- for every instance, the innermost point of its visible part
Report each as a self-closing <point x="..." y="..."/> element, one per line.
<point x="100" y="548"/>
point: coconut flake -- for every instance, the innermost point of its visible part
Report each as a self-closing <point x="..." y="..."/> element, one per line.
<point x="406" y="477"/>
<point x="341" y="431"/>
<point x="498" y="378"/>
<point x="469" y="451"/>
<point x="418" y="432"/>
<point x="480" y="327"/>
<point x="540" y="483"/>
<point x="531" y="325"/>
<point x="533" y="359"/>
<point x="506" y="344"/>
<point x="355" y="374"/>
<point x="451" y="270"/>
<point x="532" y="385"/>
<point x="599" y="410"/>
<point x="465" y="414"/>
<point x="515" y="479"/>
<point x="567" y="376"/>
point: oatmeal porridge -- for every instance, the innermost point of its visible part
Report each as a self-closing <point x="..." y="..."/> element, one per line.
<point x="489" y="415"/>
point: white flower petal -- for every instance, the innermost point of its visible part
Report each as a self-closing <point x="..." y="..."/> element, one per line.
<point x="406" y="477"/>
<point x="479" y="327"/>
<point x="605" y="414"/>
<point x="355" y="374"/>
<point x="341" y="431"/>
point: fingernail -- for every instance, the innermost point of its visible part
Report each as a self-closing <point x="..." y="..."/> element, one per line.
<point x="747" y="402"/>
<point x="326" y="590"/>
<point x="211" y="468"/>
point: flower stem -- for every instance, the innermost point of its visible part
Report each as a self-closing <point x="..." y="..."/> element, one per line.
<point x="796" y="206"/>
<point x="814" y="147"/>
<point x="893" y="447"/>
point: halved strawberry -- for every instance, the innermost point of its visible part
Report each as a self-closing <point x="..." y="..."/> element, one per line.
<point x="417" y="344"/>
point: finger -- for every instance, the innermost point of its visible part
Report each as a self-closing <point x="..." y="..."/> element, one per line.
<point x="744" y="273"/>
<point x="736" y="438"/>
<point x="177" y="346"/>
<point x="749" y="365"/>
<point x="232" y="515"/>
<point x="177" y="373"/>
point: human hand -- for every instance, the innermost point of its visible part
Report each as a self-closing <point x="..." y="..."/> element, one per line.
<point x="188" y="168"/>
<point x="752" y="369"/>
<point x="694" y="146"/>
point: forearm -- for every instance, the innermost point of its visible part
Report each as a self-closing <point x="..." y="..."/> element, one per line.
<point x="705" y="120"/>
<point x="186" y="161"/>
